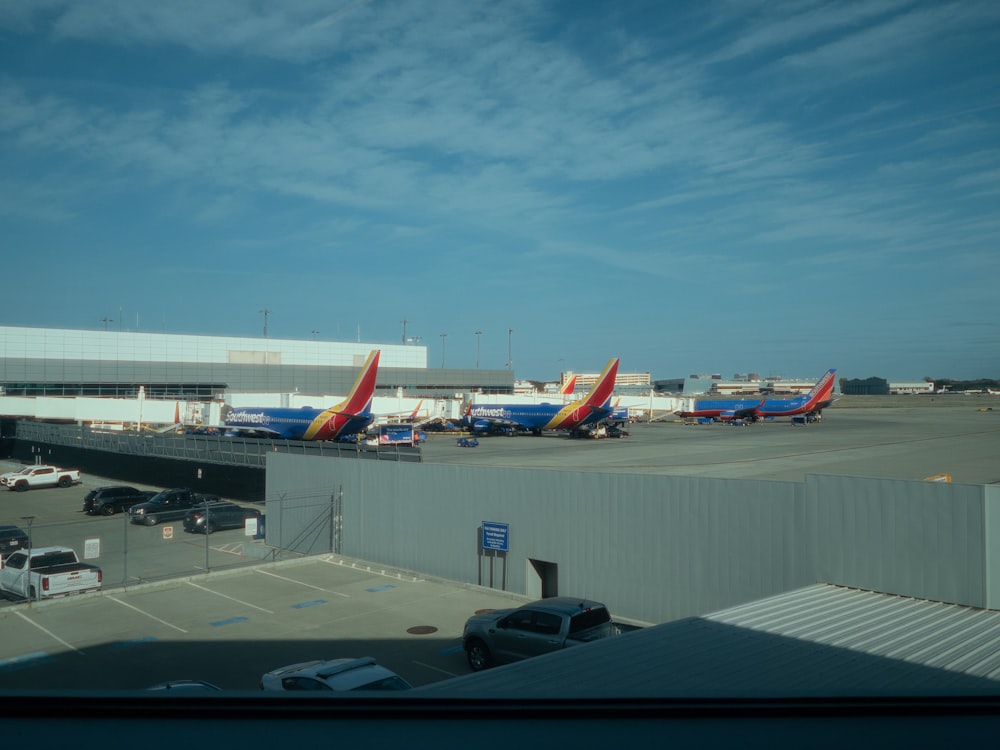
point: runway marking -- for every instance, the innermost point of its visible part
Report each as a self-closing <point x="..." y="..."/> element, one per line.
<point x="230" y="598"/>
<point x="49" y="633"/>
<point x="301" y="583"/>
<point x="147" y="614"/>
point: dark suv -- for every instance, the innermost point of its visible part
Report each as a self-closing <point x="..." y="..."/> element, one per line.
<point x="216" y="516"/>
<point x="107" y="501"/>
<point x="12" y="539"/>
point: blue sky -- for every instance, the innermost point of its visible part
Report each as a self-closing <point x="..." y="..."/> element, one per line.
<point x="772" y="187"/>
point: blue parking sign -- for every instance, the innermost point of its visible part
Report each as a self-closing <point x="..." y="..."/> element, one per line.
<point x="496" y="536"/>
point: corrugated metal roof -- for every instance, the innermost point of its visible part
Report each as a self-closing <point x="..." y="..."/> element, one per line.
<point x="817" y="641"/>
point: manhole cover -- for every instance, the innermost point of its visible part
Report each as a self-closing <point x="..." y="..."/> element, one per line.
<point x="421" y="630"/>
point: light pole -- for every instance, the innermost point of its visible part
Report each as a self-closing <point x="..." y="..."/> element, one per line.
<point x="265" y="312"/>
<point x="478" y="334"/>
<point x="510" y="361"/>
<point x="443" y="337"/>
<point x="29" y="519"/>
<point x="404" y="322"/>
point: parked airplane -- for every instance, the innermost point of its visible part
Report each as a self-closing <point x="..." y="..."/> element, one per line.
<point x="580" y="415"/>
<point x="402" y="417"/>
<point x="812" y="403"/>
<point x="349" y="417"/>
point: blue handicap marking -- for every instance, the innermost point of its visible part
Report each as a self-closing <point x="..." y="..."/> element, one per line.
<point x="230" y="621"/>
<point x="380" y="588"/>
<point x="134" y="641"/>
<point x="313" y="603"/>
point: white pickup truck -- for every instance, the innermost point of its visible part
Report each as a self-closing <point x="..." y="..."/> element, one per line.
<point x="48" y="572"/>
<point x="39" y="475"/>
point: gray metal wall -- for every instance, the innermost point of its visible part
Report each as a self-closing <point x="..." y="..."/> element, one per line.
<point x="913" y="538"/>
<point x="654" y="548"/>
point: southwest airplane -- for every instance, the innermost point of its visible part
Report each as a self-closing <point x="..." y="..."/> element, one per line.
<point x="579" y="415"/>
<point x="349" y="417"/>
<point x="818" y="398"/>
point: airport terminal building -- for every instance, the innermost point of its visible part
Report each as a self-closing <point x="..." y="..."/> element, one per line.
<point x="85" y="363"/>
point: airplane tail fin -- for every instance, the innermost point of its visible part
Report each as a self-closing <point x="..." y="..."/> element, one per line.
<point x="600" y="394"/>
<point x="359" y="399"/>
<point x="824" y="388"/>
<point x="416" y="411"/>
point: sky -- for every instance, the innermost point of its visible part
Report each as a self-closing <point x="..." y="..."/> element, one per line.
<point x="694" y="187"/>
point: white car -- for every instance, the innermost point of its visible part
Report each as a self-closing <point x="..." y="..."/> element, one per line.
<point x="337" y="675"/>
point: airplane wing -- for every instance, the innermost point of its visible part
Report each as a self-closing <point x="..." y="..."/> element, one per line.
<point x="746" y="412"/>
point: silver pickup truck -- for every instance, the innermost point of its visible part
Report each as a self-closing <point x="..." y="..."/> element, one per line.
<point x="506" y="635"/>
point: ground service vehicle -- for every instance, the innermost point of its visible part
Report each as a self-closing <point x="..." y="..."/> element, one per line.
<point x="334" y="675"/>
<point x="106" y="501"/>
<point x="12" y="538"/>
<point x="215" y="516"/>
<point x="506" y="635"/>
<point x="40" y="475"/>
<point x="168" y="505"/>
<point x="48" y="572"/>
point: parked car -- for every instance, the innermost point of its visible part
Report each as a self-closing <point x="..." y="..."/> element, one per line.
<point x="168" y="505"/>
<point x="506" y="635"/>
<point x="38" y="476"/>
<point x="107" y="501"/>
<point x="334" y="675"/>
<point x="48" y="572"/>
<point x="216" y="516"/>
<point x="12" y="539"/>
<point x="185" y="687"/>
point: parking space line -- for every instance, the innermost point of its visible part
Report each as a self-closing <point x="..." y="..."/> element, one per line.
<point x="147" y="614"/>
<point x="300" y="583"/>
<point x="230" y="598"/>
<point x="49" y="633"/>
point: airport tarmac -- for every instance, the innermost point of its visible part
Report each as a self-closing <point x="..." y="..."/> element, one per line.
<point x="894" y="443"/>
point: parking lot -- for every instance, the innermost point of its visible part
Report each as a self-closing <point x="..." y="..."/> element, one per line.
<point x="229" y="628"/>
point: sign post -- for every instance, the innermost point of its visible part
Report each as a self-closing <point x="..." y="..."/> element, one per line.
<point x="496" y="537"/>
